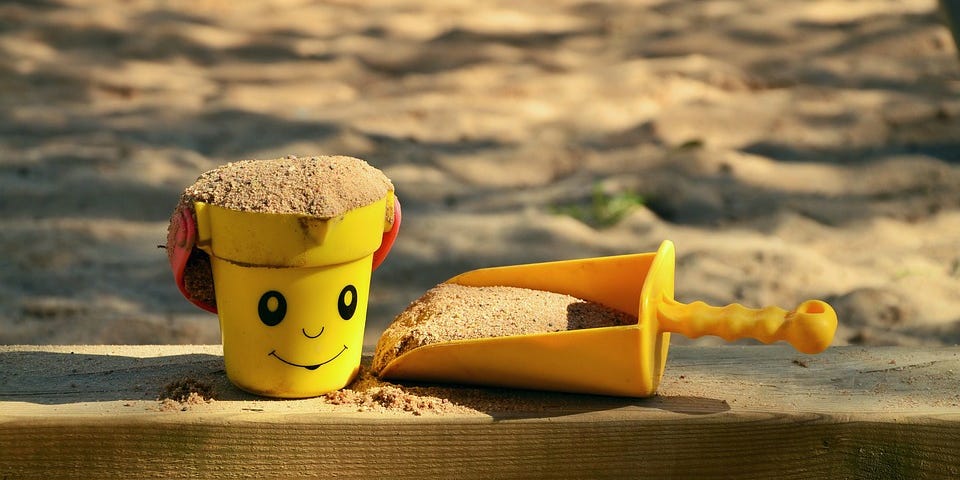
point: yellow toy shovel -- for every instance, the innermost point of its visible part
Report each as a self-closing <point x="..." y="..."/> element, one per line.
<point x="619" y="360"/>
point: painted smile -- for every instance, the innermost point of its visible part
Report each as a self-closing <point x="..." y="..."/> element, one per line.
<point x="308" y="367"/>
<point x="305" y="334"/>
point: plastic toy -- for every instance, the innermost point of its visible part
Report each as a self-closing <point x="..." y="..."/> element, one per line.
<point x="620" y="360"/>
<point x="291" y="291"/>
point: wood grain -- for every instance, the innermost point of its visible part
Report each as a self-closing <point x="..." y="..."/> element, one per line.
<point x="749" y="412"/>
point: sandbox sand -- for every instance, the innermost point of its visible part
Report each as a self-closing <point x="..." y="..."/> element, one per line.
<point x="450" y="312"/>
<point x="323" y="187"/>
<point x="790" y="149"/>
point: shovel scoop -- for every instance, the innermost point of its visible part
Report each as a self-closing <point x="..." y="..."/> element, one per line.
<point x="625" y="360"/>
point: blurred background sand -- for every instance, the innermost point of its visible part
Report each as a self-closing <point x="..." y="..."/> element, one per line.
<point x="791" y="149"/>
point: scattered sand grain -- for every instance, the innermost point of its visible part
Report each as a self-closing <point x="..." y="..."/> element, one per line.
<point x="182" y="393"/>
<point x="368" y="393"/>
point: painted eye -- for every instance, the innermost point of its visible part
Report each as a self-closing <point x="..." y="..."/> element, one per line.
<point x="347" y="303"/>
<point x="272" y="308"/>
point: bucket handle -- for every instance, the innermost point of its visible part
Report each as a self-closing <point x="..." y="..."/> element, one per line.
<point x="388" y="237"/>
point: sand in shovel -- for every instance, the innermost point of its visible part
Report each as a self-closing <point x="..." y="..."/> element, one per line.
<point x="323" y="187"/>
<point x="456" y="312"/>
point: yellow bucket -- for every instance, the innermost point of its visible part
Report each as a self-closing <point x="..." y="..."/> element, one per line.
<point x="291" y="294"/>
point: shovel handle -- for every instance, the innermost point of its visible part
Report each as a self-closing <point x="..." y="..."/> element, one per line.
<point x="809" y="327"/>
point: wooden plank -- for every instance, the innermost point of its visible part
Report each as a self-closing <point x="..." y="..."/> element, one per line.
<point x="750" y="412"/>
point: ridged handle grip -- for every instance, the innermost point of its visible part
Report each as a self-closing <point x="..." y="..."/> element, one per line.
<point x="809" y="327"/>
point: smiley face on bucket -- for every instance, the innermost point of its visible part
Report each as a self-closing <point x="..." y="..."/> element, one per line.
<point x="292" y="332"/>
<point x="272" y="310"/>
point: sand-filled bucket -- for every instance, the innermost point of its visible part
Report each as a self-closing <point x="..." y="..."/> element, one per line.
<point x="282" y="251"/>
<point x="291" y="294"/>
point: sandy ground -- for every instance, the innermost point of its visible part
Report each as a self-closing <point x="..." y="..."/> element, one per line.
<point x="791" y="149"/>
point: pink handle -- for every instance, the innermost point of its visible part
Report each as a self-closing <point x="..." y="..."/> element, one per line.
<point x="388" y="237"/>
<point x="184" y="239"/>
